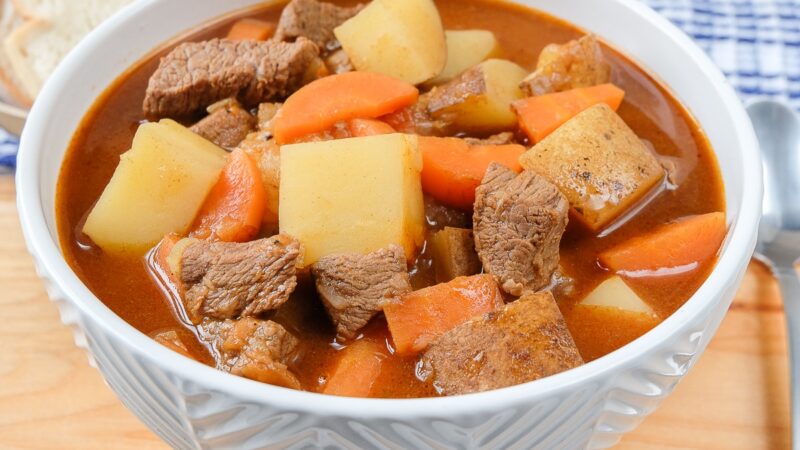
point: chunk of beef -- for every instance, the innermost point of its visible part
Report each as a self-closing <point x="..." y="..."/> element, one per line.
<point x="518" y="223"/>
<point x="578" y="63"/>
<point x="226" y="125"/>
<point x="439" y="216"/>
<point x="526" y="340"/>
<point x="257" y="349"/>
<point x="338" y="62"/>
<point x="196" y="74"/>
<point x="416" y="119"/>
<point x="223" y="280"/>
<point x="503" y="138"/>
<point x="454" y="254"/>
<point x="313" y="20"/>
<point x="355" y="287"/>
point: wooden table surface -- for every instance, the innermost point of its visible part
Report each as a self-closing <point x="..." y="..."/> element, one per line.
<point x="736" y="397"/>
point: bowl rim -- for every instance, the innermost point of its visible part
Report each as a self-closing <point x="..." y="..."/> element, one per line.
<point x="52" y="266"/>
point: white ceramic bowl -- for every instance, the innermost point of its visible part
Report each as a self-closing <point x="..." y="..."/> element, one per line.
<point x="193" y="406"/>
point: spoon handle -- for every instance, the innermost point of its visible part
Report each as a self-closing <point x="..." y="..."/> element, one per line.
<point x="790" y="291"/>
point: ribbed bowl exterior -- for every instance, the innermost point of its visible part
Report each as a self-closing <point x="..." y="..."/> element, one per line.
<point x="192" y="406"/>
<point x="593" y="414"/>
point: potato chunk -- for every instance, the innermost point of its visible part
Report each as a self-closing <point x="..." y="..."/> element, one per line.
<point x="401" y="38"/>
<point x="614" y="293"/>
<point x="157" y="188"/>
<point x="352" y="195"/>
<point x="465" y="49"/>
<point x="454" y="255"/>
<point x="479" y="100"/>
<point x="599" y="164"/>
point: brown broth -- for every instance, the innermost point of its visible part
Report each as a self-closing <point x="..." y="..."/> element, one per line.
<point x="124" y="285"/>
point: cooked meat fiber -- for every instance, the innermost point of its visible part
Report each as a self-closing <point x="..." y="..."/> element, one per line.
<point x="313" y="20"/>
<point x="578" y="63"/>
<point x="355" y="287"/>
<point x="196" y="74"/>
<point x="526" y="340"/>
<point x="518" y="222"/>
<point x="338" y="62"/>
<point x="226" y="125"/>
<point x="225" y="280"/>
<point x="257" y="349"/>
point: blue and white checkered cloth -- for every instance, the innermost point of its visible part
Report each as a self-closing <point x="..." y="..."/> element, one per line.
<point x="756" y="43"/>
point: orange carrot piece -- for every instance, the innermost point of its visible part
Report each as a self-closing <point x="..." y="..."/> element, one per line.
<point x="541" y="115"/>
<point x="318" y="105"/>
<point x="368" y="127"/>
<point x="452" y="169"/>
<point x="358" y="367"/>
<point x="251" y="29"/>
<point x="692" y="240"/>
<point x="235" y="206"/>
<point x="419" y="317"/>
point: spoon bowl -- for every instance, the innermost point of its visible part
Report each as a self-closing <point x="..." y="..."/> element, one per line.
<point x="778" y="131"/>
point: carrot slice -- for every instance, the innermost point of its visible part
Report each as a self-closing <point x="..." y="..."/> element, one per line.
<point x="689" y="241"/>
<point x="318" y="105"/>
<point x="421" y="316"/>
<point x="358" y="367"/>
<point x="541" y="115"/>
<point x="234" y="208"/>
<point x="452" y="169"/>
<point x="251" y="29"/>
<point x="368" y="127"/>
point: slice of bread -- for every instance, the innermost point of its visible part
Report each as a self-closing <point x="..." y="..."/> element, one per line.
<point x="53" y="28"/>
<point x="10" y="84"/>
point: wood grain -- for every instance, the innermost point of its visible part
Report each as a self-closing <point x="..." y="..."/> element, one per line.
<point x="735" y="398"/>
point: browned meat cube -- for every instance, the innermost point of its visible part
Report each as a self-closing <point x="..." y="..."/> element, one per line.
<point x="252" y="348"/>
<point x="226" y="280"/>
<point x="598" y="162"/>
<point x="355" y="287"/>
<point x="227" y="124"/>
<point x="454" y="254"/>
<point x="195" y="75"/>
<point x="578" y="63"/>
<point x="526" y="340"/>
<point x="518" y="222"/>
<point x="314" y="21"/>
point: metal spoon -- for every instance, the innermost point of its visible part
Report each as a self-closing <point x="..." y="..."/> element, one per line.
<point x="778" y="130"/>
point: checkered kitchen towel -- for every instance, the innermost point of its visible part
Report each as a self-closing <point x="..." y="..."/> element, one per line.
<point x="755" y="42"/>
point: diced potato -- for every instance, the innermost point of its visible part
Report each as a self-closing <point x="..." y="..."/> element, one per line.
<point x="353" y="195"/>
<point x="615" y="293"/>
<point x="465" y="49"/>
<point x="401" y="38"/>
<point x="479" y="100"/>
<point x="453" y="253"/>
<point x="157" y="188"/>
<point x="599" y="164"/>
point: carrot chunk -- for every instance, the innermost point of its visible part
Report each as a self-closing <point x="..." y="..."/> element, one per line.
<point x="692" y="240"/>
<point x="357" y="369"/>
<point x="368" y="127"/>
<point x="421" y="316"/>
<point x="452" y="169"/>
<point x="251" y="29"/>
<point x="318" y="105"/>
<point x="541" y="115"/>
<point x="234" y="208"/>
